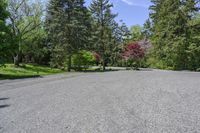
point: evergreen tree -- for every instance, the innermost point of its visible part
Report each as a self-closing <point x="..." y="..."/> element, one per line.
<point x="147" y="29"/>
<point x="194" y="48"/>
<point x="120" y="34"/>
<point x="3" y="17"/>
<point x="54" y="28"/>
<point x="3" y="31"/>
<point x="103" y="20"/>
<point x="171" y="33"/>
<point x="67" y="26"/>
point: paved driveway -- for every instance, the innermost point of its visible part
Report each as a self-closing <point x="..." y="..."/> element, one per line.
<point x="112" y="102"/>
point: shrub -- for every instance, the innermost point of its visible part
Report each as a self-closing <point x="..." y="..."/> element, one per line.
<point x="198" y="69"/>
<point x="82" y="60"/>
<point x="133" y="53"/>
<point x="97" y="57"/>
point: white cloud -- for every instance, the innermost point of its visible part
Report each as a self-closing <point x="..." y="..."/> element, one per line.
<point x="128" y="2"/>
<point x="138" y="3"/>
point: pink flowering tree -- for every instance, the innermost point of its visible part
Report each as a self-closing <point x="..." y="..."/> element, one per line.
<point x="97" y="58"/>
<point x="133" y="53"/>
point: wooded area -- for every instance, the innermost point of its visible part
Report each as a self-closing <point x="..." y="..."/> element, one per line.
<point x="67" y="34"/>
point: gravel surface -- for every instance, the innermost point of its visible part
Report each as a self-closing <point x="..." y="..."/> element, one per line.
<point x="112" y="102"/>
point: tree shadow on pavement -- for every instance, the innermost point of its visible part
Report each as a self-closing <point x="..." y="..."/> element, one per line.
<point x="4" y="106"/>
<point x="4" y="98"/>
<point x="7" y="76"/>
<point x="98" y="70"/>
<point x="145" y="69"/>
<point x="139" y="69"/>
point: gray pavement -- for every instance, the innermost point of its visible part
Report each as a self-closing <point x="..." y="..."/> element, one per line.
<point x="112" y="102"/>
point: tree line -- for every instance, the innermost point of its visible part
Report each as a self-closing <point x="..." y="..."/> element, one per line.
<point x="67" y="34"/>
<point x="55" y="33"/>
<point x="174" y="27"/>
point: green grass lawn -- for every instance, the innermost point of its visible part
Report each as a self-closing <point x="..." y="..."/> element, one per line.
<point x="9" y="71"/>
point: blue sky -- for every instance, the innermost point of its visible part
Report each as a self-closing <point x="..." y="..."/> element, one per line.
<point x="132" y="12"/>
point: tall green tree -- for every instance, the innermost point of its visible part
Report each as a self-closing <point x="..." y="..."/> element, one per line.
<point x="137" y="33"/>
<point x="194" y="48"/>
<point x="35" y="48"/>
<point x="53" y="26"/>
<point x="3" y="30"/>
<point x="120" y="36"/>
<point x="147" y="32"/>
<point x="25" y="19"/>
<point x="67" y="27"/>
<point x="171" y="32"/>
<point x="103" y="19"/>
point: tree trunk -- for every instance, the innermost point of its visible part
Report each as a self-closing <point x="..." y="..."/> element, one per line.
<point x="69" y="63"/>
<point x="104" y="64"/>
<point x="104" y="67"/>
<point x="16" y="60"/>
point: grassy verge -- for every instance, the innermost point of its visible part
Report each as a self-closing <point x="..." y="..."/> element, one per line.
<point x="9" y="71"/>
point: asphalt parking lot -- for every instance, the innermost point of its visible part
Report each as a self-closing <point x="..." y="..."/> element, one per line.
<point x="112" y="102"/>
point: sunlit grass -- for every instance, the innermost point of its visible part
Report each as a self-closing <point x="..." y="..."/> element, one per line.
<point x="9" y="71"/>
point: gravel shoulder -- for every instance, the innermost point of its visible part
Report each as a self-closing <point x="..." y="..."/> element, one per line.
<point x="113" y="102"/>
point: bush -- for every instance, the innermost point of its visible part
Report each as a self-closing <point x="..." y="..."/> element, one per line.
<point x="82" y="60"/>
<point x="198" y="69"/>
<point x="158" y="64"/>
<point x="133" y="53"/>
